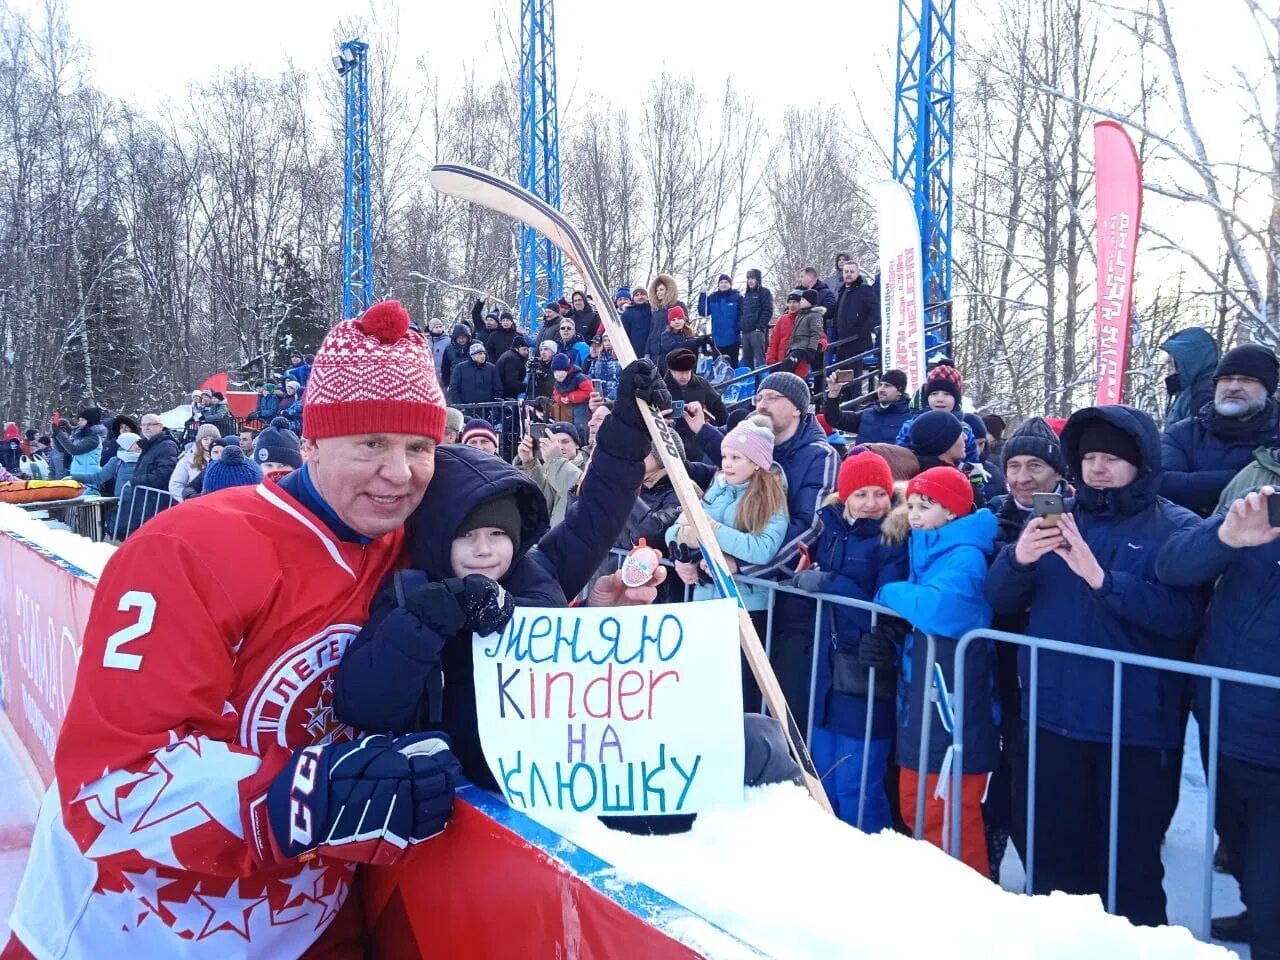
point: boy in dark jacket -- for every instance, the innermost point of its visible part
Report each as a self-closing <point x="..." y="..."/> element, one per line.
<point x="1090" y="579"/>
<point x="422" y="619"/>
<point x="852" y="559"/>
<point x="458" y="352"/>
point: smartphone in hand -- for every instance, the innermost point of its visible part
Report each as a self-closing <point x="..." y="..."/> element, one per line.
<point x="1273" y="509"/>
<point x="677" y="408"/>
<point x="1048" y="507"/>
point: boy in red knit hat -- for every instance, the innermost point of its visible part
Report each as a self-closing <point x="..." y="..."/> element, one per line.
<point x="943" y="596"/>
<point x="853" y="558"/>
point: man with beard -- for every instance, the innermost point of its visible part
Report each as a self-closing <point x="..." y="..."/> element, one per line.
<point x="1203" y="452"/>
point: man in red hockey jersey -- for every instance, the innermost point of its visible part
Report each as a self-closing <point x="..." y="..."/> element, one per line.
<point x="206" y="802"/>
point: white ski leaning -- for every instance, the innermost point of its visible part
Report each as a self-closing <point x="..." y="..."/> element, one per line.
<point x="492" y="192"/>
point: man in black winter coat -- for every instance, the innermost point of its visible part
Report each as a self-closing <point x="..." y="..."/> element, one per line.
<point x="687" y="386"/>
<point x="637" y="320"/>
<point x="513" y="366"/>
<point x="456" y="353"/>
<point x="476" y="380"/>
<point x="1202" y="453"/>
<point x="155" y="466"/>
<point x="857" y="315"/>
<point x="757" y="314"/>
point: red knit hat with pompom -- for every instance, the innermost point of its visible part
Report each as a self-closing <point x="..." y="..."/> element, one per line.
<point x="944" y="485"/>
<point x="374" y="375"/>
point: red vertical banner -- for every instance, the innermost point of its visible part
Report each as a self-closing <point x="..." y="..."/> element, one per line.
<point x="1118" y="186"/>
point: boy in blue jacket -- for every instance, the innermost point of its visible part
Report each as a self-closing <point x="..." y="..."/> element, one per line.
<point x="949" y="547"/>
<point x="852" y="558"/>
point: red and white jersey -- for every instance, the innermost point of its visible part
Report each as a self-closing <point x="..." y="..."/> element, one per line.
<point x="210" y="655"/>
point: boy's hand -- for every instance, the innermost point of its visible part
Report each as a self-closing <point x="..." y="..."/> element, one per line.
<point x="473" y="601"/>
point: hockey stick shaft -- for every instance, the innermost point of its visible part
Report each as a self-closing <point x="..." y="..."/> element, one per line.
<point x="494" y="193"/>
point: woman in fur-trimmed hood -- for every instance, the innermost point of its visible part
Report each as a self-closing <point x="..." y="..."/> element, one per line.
<point x="661" y="302"/>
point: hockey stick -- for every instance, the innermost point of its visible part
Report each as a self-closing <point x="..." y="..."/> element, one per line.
<point x="494" y="193"/>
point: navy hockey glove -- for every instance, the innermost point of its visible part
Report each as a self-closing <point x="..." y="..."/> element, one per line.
<point x="367" y="801"/>
<point x="640" y="380"/>
<point x="474" y="601"/>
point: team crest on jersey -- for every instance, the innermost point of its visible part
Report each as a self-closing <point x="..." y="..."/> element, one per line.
<point x="292" y="704"/>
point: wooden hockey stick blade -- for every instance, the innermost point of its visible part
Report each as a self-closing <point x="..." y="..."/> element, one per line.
<point x="492" y="192"/>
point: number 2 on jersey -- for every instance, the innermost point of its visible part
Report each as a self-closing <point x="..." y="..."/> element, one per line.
<point x="113" y="656"/>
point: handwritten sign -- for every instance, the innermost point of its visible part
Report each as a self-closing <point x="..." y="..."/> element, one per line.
<point x="623" y="711"/>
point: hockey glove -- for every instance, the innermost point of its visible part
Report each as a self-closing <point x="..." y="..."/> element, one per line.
<point x="367" y="801"/>
<point x="474" y="601"/>
<point x="639" y="381"/>
<point x="879" y="647"/>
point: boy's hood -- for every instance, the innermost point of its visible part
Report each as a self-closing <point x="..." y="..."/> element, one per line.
<point x="978" y="529"/>
<point x="464" y="478"/>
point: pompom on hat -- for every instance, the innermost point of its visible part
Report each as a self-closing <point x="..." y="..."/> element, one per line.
<point x="374" y="375"/>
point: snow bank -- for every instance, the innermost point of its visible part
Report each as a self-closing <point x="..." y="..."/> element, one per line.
<point x="77" y="550"/>
<point x="799" y="885"/>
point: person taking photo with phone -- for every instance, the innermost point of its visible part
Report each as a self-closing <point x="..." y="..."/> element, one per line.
<point x="1090" y="579"/>
<point x="688" y="387"/>
<point x="1238" y="549"/>
<point x="880" y="418"/>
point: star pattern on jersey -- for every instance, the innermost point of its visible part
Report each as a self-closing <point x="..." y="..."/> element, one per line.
<point x="326" y="686"/>
<point x="319" y="718"/>
<point x="229" y="911"/>
<point x="188" y="784"/>
<point x="331" y="902"/>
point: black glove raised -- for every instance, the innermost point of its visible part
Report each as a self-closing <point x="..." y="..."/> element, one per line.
<point x="473" y="601"/>
<point x="639" y="381"/>
<point x="879" y="647"/>
<point x="367" y="801"/>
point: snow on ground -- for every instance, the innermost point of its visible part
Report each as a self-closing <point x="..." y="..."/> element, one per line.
<point x="80" y="551"/>
<point x="799" y="885"/>
<point x="18" y="807"/>
<point x="1183" y="854"/>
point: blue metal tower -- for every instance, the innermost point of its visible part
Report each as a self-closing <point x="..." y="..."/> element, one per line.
<point x="923" y="134"/>
<point x="541" y="262"/>
<point x="357" y="197"/>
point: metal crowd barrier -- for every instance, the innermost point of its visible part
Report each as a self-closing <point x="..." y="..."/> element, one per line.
<point x="83" y="514"/>
<point x="144" y="503"/>
<point x="1119" y="660"/>
<point x="505" y="416"/>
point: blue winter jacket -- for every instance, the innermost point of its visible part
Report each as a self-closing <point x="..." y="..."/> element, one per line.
<point x="1200" y="455"/>
<point x="385" y="679"/>
<point x="268" y="407"/>
<point x="1132" y="611"/>
<point x="1196" y="354"/>
<point x="856" y="563"/>
<point x="725" y="308"/>
<point x="1241" y="631"/>
<point x="944" y="597"/>
<point x="809" y="464"/>
<point x="636" y="320"/>
<point x="301" y="373"/>
<point x="471" y="382"/>
<point x="721" y="503"/>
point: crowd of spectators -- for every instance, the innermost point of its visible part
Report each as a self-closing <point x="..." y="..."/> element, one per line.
<point x="1159" y="542"/>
